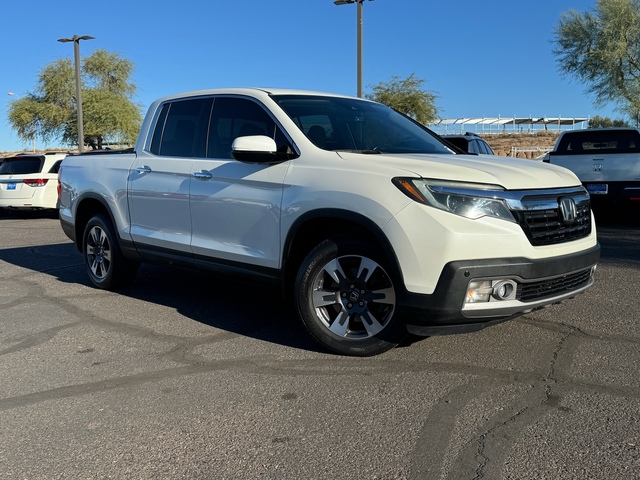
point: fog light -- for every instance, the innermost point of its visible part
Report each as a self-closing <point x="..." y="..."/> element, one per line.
<point x="479" y="291"/>
<point x="504" y="290"/>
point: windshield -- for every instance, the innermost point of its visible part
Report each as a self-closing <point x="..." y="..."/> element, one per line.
<point x="348" y="124"/>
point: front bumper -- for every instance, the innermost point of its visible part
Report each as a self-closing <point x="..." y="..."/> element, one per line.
<point x="543" y="283"/>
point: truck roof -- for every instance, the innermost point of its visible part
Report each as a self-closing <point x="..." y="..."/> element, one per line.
<point x="251" y="91"/>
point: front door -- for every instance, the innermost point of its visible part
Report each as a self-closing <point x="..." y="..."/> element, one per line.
<point x="235" y="206"/>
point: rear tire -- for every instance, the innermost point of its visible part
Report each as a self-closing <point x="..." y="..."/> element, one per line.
<point x="346" y="298"/>
<point x="106" y="265"/>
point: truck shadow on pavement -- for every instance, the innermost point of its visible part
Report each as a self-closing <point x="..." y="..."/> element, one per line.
<point x="238" y="307"/>
<point x="233" y="306"/>
<point x="26" y="213"/>
<point x="619" y="234"/>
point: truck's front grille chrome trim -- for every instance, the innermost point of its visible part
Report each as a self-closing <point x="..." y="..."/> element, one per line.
<point x="542" y="220"/>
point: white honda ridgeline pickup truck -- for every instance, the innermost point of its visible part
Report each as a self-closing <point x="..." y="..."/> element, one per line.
<point x="364" y="218"/>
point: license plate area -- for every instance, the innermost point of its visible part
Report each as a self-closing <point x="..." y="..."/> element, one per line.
<point x="597" y="188"/>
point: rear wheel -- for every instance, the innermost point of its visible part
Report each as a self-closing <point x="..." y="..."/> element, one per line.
<point x="347" y="300"/>
<point x="106" y="265"/>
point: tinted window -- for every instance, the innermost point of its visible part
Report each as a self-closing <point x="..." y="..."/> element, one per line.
<point x="239" y="117"/>
<point x="459" y="142"/>
<point x="181" y="128"/>
<point x="603" y="141"/>
<point x="484" y="148"/>
<point x="487" y="148"/>
<point x="358" y="125"/>
<point x="55" y="167"/>
<point x="21" y="165"/>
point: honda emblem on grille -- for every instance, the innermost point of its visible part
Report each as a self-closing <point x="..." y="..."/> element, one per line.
<point x="568" y="210"/>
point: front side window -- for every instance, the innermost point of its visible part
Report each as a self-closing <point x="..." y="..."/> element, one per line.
<point x="239" y="117"/>
<point x="335" y="123"/>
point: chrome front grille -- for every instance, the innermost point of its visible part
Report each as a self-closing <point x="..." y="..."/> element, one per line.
<point x="542" y="220"/>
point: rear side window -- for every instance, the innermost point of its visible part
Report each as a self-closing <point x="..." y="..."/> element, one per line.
<point x="484" y="147"/>
<point x="595" y="142"/>
<point x="56" y="166"/>
<point x="181" y="128"/>
<point x="21" y="165"/>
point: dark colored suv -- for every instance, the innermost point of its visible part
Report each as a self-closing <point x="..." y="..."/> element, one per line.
<point x="470" y="143"/>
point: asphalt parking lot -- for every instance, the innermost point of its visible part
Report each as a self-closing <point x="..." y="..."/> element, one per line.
<point x="190" y="376"/>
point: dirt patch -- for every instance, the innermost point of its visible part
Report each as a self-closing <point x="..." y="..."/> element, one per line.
<point x="503" y="144"/>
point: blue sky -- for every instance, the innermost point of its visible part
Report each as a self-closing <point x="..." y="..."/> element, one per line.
<point x="482" y="59"/>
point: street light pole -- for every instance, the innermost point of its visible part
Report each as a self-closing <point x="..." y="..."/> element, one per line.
<point x="359" y="39"/>
<point x="359" y="48"/>
<point x="76" y="56"/>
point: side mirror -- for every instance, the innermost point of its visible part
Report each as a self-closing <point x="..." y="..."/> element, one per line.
<point x="255" y="149"/>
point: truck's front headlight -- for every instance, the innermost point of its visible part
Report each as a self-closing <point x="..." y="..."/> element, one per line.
<point x="470" y="200"/>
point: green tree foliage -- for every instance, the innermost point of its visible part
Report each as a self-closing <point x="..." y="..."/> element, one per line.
<point x="606" y="122"/>
<point x="601" y="48"/>
<point x="407" y="96"/>
<point x="109" y="113"/>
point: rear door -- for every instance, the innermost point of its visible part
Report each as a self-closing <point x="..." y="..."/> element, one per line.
<point x="160" y="179"/>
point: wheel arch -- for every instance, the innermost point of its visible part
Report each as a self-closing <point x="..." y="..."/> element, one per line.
<point x="314" y="227"/>
<point x="89" y="206"/>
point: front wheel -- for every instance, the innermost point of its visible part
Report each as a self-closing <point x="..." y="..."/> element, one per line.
<point x="347" y="300"/>
<point x="106" y="265"/>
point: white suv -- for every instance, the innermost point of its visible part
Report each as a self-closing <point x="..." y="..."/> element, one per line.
<point x="366" y="219"/>
<point x="30" y="180"/>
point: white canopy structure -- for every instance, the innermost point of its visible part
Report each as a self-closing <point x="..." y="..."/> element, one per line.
<point x="507" y="124"/>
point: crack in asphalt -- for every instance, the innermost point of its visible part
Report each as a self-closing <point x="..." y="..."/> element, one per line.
<point x="181" y="352"/>
<point x="482" y="456"/>
<point x="478" y="458"/>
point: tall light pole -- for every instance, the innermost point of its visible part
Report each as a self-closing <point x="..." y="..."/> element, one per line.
<point x="76" y="56"/>
<point x="33" y="132"/>
<point x="359" y="34"/>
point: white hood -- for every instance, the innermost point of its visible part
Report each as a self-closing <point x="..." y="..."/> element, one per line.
<point x="510" y="173"/>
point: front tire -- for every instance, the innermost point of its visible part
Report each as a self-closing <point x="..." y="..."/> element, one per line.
<point x="106" y="265"/>
<point x="346" y="298"/>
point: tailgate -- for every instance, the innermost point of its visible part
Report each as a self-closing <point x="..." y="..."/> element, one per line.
<point x="603" y="168"/>
<point x="15" y="189"/>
